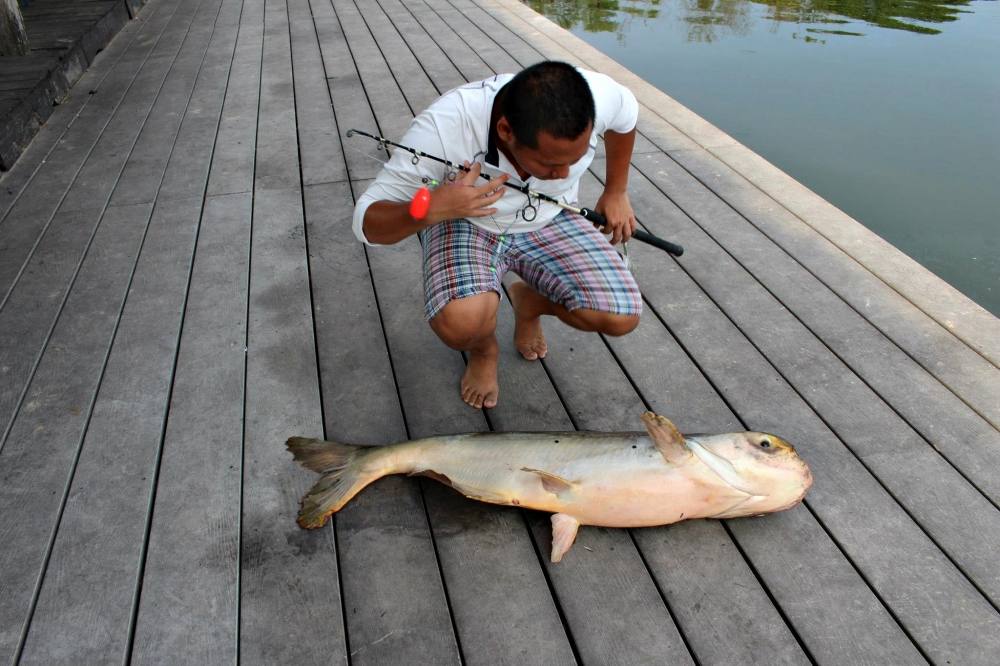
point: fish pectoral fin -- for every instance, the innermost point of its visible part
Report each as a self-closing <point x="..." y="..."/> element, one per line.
<point x="667" y="438"/>
<point x="734" y="510"/>
<point x="564" y="529"/>
<point x="550" y="482"/>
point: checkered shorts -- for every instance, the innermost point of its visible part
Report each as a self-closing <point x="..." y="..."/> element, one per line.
<point x="568" y="261"/>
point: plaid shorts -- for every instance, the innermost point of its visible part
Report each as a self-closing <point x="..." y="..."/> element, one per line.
<point x="568" y="261"/>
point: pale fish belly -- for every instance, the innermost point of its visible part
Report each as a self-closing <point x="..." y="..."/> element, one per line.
<point x="615" y="479"/>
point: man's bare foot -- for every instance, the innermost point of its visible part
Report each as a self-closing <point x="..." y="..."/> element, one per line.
<point x="528" y="336"/>
<point x="479" y="383"/>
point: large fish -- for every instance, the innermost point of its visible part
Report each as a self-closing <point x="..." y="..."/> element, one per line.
<point x="631" y="479"/>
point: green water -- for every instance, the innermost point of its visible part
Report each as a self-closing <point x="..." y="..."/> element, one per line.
<point x="889" y="110"/>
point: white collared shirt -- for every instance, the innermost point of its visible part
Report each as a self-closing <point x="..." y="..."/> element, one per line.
<point x="456" y="127"/>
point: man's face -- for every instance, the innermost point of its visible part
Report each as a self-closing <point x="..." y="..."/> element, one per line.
<point x="552" y="158"/>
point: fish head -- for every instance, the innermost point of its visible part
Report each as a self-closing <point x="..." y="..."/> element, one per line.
<point x="762" y="465"/>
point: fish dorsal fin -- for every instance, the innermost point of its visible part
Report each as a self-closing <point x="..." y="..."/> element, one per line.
<point x="667" y="437"/>
<point x="564" y="529"/>
<point x="551" y="482"/>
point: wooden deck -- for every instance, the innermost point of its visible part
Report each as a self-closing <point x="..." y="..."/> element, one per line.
<point x="181" y="292"/>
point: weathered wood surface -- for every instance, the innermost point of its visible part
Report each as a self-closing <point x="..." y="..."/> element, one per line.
<point x="63" y="38"/>
<point x="181" y="292"/>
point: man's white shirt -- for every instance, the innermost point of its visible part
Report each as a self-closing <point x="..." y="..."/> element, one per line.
<point x="456" y="127"/>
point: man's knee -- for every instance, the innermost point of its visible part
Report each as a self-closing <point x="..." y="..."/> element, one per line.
<point x="610" y="323"/>
<point x="465" y="321"/>
<point x="619" y="324"/>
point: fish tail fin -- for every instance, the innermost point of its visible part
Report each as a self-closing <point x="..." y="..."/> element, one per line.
<point x="344" y="472"/>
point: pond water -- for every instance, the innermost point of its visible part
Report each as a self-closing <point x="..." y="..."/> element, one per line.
<point x="890" y="110"/>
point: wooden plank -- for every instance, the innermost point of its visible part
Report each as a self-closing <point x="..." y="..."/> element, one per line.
<point x="347" y="95"/>
<point x="276" y="162"/>
<point x="30" y="216"/>
<point x="384" y="96"/>
<point x="188" y="600"/>
<point x="954" y="512"/>
<point x="466" y="60"/>
<point x="187" y="171"/>
<point x="233" y="161"/>
<point x="100" y="173"/>
<point x="394" y="597"/>
<point x="37" y="460"/>
<point x="429" y="51"/>
<point x="914" y="562"/>
<point x="501" y="54"/>
<point x="32" y="309"/>
<point x="319" y="136"/>
<point x="938" y="352"/>
<point x="290" y="607"/>
<point x="405" y="66"/>
<point x="143" y="173"/>
<point x="84" y="607"/>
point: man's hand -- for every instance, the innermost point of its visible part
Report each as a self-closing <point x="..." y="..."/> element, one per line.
<point x="617" y="210"/>
<point x="463" y="198"/>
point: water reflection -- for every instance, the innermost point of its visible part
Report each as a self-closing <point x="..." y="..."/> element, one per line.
<point x="704" y="17"/>
<point x="596" y="15"/>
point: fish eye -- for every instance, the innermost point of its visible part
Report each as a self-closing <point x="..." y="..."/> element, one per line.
<point x="765" y="444"/>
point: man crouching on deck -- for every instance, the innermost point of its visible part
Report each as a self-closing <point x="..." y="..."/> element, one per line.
<point x="541" y="125"/>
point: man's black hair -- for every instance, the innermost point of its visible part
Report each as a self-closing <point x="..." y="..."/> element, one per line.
<point x="551" y="96"/>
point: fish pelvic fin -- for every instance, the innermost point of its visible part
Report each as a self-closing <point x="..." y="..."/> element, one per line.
<point x="667" y="438"/>
<point x="564" y="528"/>
<point x="344" y="476"/>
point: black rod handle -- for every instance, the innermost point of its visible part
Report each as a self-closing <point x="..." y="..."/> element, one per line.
<point x="639" y="235"/>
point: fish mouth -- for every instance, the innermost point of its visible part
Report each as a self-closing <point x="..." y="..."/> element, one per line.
<point x="721" y="466"/>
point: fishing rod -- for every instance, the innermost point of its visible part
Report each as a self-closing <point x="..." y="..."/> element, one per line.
<point x="422" y="198"/>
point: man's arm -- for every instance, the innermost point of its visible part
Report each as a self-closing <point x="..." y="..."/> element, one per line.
<point x="614" y="203"/>
<point x="388" y="222"/>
